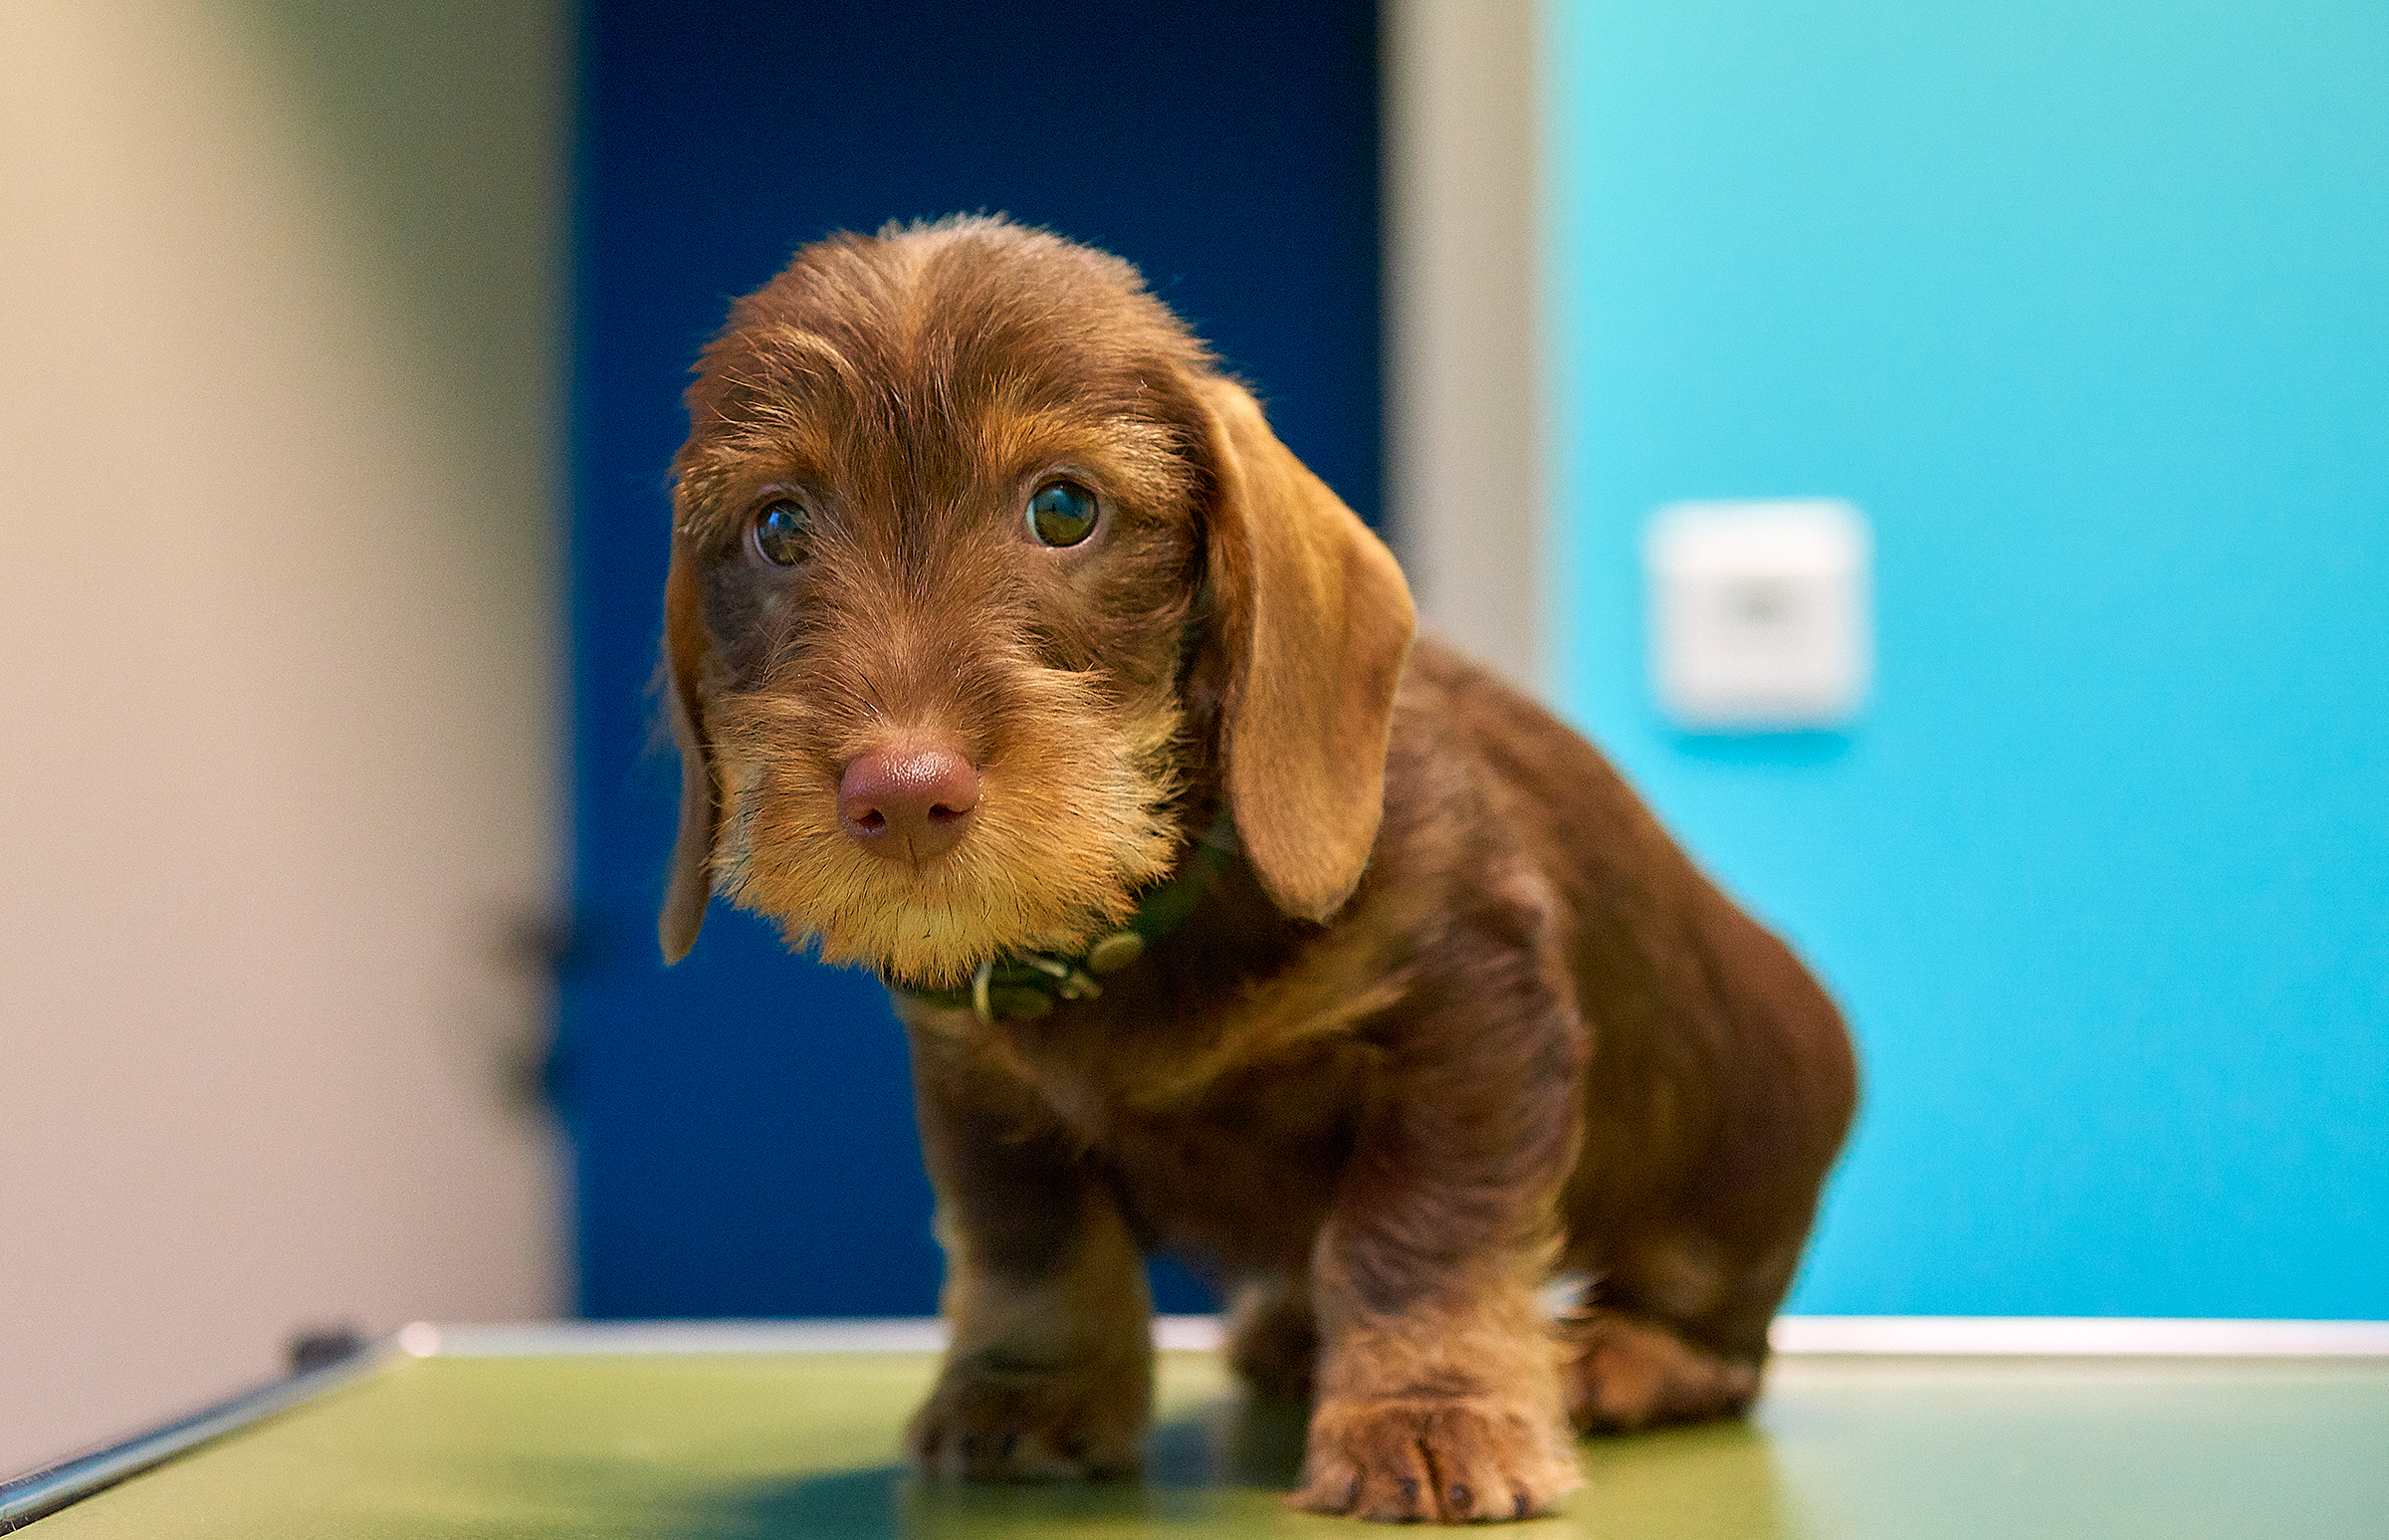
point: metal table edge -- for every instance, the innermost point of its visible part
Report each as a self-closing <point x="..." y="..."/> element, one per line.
<point x="39" y="1494"/>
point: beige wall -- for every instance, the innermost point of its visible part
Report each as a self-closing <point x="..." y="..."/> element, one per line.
<point x="1465" y="467"/>
<point x="280" y="351"/>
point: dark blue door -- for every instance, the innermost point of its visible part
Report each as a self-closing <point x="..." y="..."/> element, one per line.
<point x="742" y="1122"/>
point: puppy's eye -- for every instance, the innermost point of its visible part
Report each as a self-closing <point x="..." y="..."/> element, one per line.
<point x="1062" y="513"/>
<point x="779" y="533"/>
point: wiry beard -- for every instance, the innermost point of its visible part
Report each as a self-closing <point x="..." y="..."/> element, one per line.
<point x="1072" y="819"/>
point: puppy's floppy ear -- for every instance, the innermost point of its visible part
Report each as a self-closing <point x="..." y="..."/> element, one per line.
<point x="1315" y="621"/>
<point x="685" y="648"/>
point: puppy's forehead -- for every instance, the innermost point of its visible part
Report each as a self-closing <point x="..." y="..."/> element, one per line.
<point x="970" y="347"/>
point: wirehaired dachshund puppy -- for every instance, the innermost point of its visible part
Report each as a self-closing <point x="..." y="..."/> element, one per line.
<point x="1009" y="654"/>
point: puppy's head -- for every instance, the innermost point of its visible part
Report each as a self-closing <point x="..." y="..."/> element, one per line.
<point x="980" y="572"/>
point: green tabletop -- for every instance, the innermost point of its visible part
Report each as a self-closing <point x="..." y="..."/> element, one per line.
<point x="806" y="1443"/>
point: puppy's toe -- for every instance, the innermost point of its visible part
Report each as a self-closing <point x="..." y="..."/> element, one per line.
<point x="1475" y="1484"/>
<point x="1331" y="1483"/>
<point x="1397" y="1483"/>
<point x="1454" y="1461"/>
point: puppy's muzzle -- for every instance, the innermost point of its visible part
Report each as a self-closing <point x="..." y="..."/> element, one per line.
<point x="911" y="804"/>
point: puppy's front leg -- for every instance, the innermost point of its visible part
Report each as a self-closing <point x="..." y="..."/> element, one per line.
<point x="1439" y="1397"/>
<point x="1048" y="1371"/>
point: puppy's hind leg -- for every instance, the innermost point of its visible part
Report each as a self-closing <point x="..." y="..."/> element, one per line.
<point x="1622" y="1372"/>
<point x="1675" y="1334"/>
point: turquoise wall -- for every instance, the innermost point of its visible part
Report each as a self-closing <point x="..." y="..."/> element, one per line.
<point x="2087" y="307"/>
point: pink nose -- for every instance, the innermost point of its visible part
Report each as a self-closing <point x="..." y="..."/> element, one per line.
<point x="909" y="805"/>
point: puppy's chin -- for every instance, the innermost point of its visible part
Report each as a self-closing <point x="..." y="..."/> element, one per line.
<point x="1037" y="870"/>
<point x="933" y="938"/>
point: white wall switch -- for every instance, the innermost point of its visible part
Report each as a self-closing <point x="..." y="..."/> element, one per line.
<point x="1761" y="618"/>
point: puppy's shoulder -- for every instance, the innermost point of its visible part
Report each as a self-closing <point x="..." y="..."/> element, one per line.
<point x="1455" y="803"/>
<point x="1483" y="785"/>
<point x="1464" y="737"/>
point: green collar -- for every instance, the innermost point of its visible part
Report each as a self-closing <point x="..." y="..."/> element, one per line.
<point x="1017" y="985"/>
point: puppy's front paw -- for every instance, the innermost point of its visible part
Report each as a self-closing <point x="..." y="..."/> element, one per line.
<point x="1453" y="1460"/>
<point x="986" y="1423"/>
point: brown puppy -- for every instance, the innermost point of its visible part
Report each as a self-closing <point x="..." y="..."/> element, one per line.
<point x="1011" y="655"/>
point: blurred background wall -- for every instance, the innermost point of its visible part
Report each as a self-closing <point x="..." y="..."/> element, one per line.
<point x="2087" y="307"/>
<point x="1462" y="166"/>
<point x="281" y="304"/>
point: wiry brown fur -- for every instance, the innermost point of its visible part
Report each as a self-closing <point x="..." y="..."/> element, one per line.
<point x="1460" y="1018"/>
